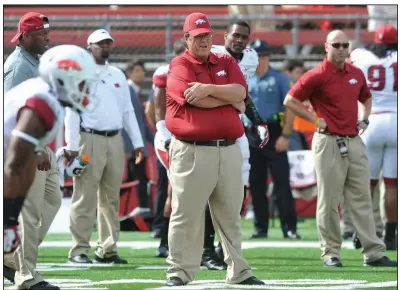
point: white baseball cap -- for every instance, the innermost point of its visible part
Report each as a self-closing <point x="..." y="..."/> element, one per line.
<point x="98" y="35"/>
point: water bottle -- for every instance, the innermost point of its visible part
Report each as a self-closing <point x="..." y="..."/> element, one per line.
<point x="77" y="166"/>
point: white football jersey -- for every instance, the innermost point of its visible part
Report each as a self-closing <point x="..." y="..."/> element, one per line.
<point x="249" y="62"/>
<point x="381" y="76"/>
<point x="18" y="97"/>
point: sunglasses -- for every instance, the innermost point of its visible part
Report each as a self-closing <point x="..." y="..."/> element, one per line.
<point x="338" y="45"/>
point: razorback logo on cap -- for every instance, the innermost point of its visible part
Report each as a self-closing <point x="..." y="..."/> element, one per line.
<point x="69" y="64"/>
<point x="200" y="21"/>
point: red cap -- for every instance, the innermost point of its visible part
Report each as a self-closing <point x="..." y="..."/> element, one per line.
<point x="197" y="23"/>
<point x="31" y="21"/>
<point x="386" y="34"/>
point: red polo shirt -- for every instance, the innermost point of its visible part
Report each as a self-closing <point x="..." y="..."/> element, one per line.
<point x="191" y="123"/>
<point x="334" y="93"/>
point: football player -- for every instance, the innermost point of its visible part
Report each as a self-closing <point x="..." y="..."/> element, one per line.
<point x="33" y="114"/>
<point x="379" y="65"/>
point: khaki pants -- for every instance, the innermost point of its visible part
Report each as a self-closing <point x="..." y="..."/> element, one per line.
<point x="199" y="174"/>
<point x="349" y="176"/>
<point x="347" y="224"/>
<point x="40" y="208"/>
<point x="98" y="189"/>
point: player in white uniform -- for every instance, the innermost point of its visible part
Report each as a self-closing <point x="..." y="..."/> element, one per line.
<point x="236" y="41"/>
<point x="33" y="114"/>
<point x="379" y="65"/>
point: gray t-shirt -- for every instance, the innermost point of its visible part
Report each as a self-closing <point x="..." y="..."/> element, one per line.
<point x="19" y="67"/>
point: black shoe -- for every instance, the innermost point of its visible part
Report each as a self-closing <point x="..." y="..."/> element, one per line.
<point x="174" y="281"/>
<point x="292" y="235"/>
<point x="347" y="235"/>
<point x="333" y="262"/>
<point x="259" y="235"/>
<point x="382" y="262"/>
<point x="391" y="245"/>
<point x="252" y="281"/>
<point x="9" y="273"/>
<point x="115" y="259"/>
<point x="162" y="252"/>
<point x="43" y="285"/>
<point x="80" y="259"/>
<point x="211" y="260"/>
<point x="356" y="242"/>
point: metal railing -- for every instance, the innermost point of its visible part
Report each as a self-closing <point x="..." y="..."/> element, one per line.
<point x="173" y="23"/>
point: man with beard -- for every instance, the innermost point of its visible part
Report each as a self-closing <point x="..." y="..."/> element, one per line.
<point x="43" y="198"/>
<point x="98" y="134"/>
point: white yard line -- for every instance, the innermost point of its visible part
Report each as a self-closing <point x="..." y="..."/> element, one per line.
<point x="245" y="245"/>
<point x="305" y="284"/>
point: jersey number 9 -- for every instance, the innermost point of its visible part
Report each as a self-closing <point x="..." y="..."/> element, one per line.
<point x="377" y="77"/>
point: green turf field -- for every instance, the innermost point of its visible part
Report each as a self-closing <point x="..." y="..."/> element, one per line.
<point x="280" y="263"/>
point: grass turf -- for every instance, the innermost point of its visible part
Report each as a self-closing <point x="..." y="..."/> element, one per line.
<point x="269" y="263"/>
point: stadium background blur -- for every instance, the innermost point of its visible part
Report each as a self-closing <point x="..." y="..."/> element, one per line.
<point x="147" y="33"/>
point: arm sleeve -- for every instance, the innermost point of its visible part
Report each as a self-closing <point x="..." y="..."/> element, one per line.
<point x="305" y="86"/>
<point x="42" y="110"/>
<point x="252" y="113"/>
<point x="14" y="77"/>
<point x="179" y="75"/>
<point x="284" y="89"/>
<point x="72" y="127"/>
<point x="130" y="122"/>
<point x="365" y="93"/>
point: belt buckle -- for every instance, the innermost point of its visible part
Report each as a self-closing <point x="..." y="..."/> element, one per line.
<point x="218" y="143"/>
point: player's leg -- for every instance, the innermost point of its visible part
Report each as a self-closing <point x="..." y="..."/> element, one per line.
<point x="391" y="183"/>
<point x="374" y="140"/>
<point x="30" y="223"/>
<point x="163" y="158"/>
<point x="162" y="251"/>
<point x="210" y="259"/>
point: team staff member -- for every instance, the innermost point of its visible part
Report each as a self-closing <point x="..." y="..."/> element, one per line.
<point x="44" y="199"/>
<point x="268" y="89"/>
<point x="205" y="162"/>
<point x="98" y="134"/>
<point x="340" y="157"/>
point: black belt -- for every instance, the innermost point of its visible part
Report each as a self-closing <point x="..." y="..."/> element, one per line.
<point x="334" y="134"/>
<point x="213" y="143"/>
<point x="110" y="133"/>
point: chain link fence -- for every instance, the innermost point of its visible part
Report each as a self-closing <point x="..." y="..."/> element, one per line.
<point x="150" y="37"/>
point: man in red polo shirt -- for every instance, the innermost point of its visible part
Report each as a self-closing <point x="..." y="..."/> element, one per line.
<point x="205" y="91"/>
<point x="334" y="89"/>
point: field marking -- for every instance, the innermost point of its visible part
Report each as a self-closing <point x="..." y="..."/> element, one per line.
<point x="165" y="267"/>
<point x="78" y="284"/>
<point x="216" y="284"/>
<point x="245" y="245"/>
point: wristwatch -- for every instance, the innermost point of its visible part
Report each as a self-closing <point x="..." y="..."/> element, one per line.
<point x="365" y="121"/>
<point x="286" y="136"/>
